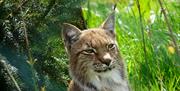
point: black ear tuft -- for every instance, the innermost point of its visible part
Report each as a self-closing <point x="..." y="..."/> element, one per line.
<point x="109" y="23"/>
<point x="70" y="33"/>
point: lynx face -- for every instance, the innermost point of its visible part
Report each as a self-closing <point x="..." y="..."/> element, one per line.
<point x="95" y="62"/>
<point x="96" y="49"/>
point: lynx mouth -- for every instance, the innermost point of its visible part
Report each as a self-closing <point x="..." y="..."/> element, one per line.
<point x="100" y="70"/>
<point x="105" y="70"/>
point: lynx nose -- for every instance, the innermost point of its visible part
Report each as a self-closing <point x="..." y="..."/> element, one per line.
<point x="107" y="59"/>
<point x="107" y="62"/>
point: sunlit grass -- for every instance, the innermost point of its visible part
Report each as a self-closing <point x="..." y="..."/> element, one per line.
<point x="158" y="69"/>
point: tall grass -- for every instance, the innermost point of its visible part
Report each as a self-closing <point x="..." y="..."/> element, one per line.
<point x="153" y="63"/>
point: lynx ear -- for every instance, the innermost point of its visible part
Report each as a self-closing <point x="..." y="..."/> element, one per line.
<point x="70" y="33"/>
<point x="109" y="23"/>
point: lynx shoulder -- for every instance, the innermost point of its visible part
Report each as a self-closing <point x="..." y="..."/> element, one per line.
<point x="94" y="58"/>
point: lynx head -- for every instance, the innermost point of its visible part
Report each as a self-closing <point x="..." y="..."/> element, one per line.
<point x="92" y="49"/>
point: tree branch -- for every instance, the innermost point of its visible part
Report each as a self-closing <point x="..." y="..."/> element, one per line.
<point x="18" y="8"/>
<point x="5" y="66"/>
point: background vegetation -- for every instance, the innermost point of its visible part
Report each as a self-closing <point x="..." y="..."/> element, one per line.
<point x="32" y="55"/>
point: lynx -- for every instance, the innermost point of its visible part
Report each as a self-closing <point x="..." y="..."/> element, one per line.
<point x="95" y="61"/>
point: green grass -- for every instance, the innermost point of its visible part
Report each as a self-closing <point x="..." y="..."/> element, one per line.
<point x="159" y="68"/>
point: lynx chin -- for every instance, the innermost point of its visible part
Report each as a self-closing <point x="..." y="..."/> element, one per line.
<point x="94" y="58"/>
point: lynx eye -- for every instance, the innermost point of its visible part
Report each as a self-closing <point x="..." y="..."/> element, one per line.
<point x="89" y="51"/>
<point x="111" y="46"/>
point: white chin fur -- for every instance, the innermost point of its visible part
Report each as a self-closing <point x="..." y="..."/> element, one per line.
<point x="111" y="79"/>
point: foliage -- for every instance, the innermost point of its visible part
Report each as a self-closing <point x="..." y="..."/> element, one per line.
<point x="30" y="41"/>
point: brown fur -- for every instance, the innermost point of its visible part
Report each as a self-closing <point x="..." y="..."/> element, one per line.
<point x="87" y="67"/>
